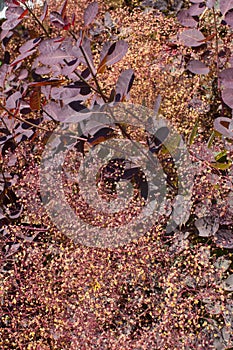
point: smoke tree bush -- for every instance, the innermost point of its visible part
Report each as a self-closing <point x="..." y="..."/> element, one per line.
<point x="163" y="291"/>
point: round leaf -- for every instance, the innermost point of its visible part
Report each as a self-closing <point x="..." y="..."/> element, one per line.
<point x="197" y="67"/>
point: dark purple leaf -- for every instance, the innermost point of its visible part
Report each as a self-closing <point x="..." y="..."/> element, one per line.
<point x="86" y="73"/>
<point x="69" y="68"/>
<point x="7" y="57"/>
<point x="227" y="96"/>
<point x="8" y="145"/>
<point x="83" y="87"/>
<point x="225" y="6"/>
<point x="186" y="19"/>
<point x="25" y="110"/>
<point x="26" y="126"/>
<point x="192" y="37"/>
<point x="74" y="112"/>
<point x="77" y="106"/>
<point x="197" y="67"/>
<point x="90" y="13"/>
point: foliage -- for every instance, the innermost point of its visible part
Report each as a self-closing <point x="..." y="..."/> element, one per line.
<point x="165" y="290"/>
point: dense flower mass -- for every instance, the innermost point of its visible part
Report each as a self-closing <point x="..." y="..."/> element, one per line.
<point x="169" y="287"/>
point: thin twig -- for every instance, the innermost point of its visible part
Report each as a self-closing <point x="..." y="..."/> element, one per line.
<point x="22" y="119"/>
<point x="36" y="19"/>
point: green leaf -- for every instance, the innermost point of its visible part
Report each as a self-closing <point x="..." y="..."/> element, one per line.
<point x="220" y="155"/>
<point x="211" y="139"/>
<point x="193" y="133"/>
<point x="221" y="166"/>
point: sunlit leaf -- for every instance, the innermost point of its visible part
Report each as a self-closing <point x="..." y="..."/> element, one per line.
<point x="186" y="19"/>
<point x="124" y="84"/>
<point x="197" y="9"/>
<point x="90" y="13"/>
<point x="229" y="18"/>
<point x="115" y="53"/>
<point x="197" y="67"/>
<point x="45" y="11"/>
<point x="225" y="6"/>
<point x="221" y="166"/>
<point x="192" y="37"/>
<point x="21" y="57"/>
<point x="226" y="77"/>
<point x="29" y="45"/>
<point x="227" y="96"/>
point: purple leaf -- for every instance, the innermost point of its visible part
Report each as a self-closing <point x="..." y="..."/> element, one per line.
<point x="224" y="239"/>
<point x="124" y="84"/>
<point x="30" y="44"/>
<point x="45" y="11"/>
<point x="114" y="54"/>
<point x="210" y="3"/>
<point x="63" y="8"/>
<point x="11" y="23"/>
<point x="56" y="19"/>
<point x="226" y="77"/>
<point x="227" y="96"/>
<point x="21" y="57"/>
<point x="229" y="18"/>
<point x="228" y="286"/>
<point x="14" y="11"/>
<point x="11" y="102"/>
<point x="225" y="6"/>
<point x="74" y="112"/>
<point x="90" y="13"/>
<point x="70" y="67"/>
<point x="192" y="37"/>
<point x="197" y="67"/>
<point x="224" y="126"/>
<point x="49" y="45"/>
<point x="186" y="19"/>
<point x="77" y="105"/>
<point x="23" y="74"/>
<point x="196" y="9"/>
<point x="207" y="226"/>
<point x="105" y="48"/>
<point x="55" y="57"/>
<point x="196" y="1"/>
